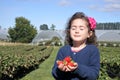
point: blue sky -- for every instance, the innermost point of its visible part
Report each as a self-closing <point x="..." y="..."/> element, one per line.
<point x="57" y="12"/>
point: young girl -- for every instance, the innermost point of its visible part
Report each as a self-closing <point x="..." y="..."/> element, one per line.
<point x="81" y="48"/>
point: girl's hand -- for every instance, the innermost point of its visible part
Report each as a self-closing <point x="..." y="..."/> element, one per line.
<point x="71" y="68"/>
<point x="61" y="66"/>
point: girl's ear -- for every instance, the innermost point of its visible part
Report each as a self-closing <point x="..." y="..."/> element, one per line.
<point x="90" y="34"/>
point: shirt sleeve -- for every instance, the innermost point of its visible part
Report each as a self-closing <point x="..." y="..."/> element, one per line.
<point x="90" y="72"/>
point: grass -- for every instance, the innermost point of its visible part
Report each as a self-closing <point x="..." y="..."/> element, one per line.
<point x="3" y="43"/>
<point x="44" y="70"/>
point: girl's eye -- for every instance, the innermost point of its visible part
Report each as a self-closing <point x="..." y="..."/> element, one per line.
<point x="73" y="28"/>
<point x="81" y="29"/>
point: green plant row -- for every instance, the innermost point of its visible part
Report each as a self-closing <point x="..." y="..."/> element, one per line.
<point x="16" y="58"/>
<point x="109" y="44"/>
<point x="110" y="63"/>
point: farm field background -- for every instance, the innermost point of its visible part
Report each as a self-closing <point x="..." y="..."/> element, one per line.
<point x="42" y="65"/>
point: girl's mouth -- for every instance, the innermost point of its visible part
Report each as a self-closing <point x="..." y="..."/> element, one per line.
<point x="76" y="35"/>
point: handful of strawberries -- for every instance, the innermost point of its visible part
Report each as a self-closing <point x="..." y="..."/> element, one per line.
<point x="66" y="61"/>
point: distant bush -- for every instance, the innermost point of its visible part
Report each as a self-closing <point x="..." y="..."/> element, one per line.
<point x="109" y="44"/>
<point x="55" y="41"/>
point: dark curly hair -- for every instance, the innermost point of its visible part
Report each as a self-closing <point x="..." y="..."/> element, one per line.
<point x="91" y="40"/>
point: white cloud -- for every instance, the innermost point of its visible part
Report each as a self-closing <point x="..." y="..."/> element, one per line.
<point x="112" y="1"/>
<point x="93" y="7"/>
<point x="64" y="3"/>
<point x="112" y="7"/>
<point x="28" y="0"/>
<point x="107" y="6"/>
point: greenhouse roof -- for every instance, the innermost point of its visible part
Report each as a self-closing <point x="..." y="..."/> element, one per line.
<point x="102" y="35"/>
<point x="3" y="35"/>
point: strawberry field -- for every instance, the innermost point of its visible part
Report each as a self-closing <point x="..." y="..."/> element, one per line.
<point x="18" y="60"/>
<point x="110" y="63"/>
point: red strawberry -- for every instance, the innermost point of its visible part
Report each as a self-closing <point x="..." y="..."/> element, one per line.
<point x="65" y="62"/>
<point x="67" y="59"/>
<point x="71" y="64"/>
<point x="59" y="62"/>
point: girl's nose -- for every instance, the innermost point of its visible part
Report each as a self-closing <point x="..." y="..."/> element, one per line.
<point x="77" y="30"/>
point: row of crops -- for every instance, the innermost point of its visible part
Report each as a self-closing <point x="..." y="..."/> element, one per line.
<point x="110" y="63"/>
<point x="17" y="61"/>
<point x="109" y="44"/>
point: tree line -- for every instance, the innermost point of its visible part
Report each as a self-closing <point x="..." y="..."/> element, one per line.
<point x="108" y="26"/>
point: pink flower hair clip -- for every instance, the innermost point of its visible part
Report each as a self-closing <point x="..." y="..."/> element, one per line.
<point x="92" y="23"/>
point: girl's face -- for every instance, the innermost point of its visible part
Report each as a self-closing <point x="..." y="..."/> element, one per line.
<point x="79" y="30"/>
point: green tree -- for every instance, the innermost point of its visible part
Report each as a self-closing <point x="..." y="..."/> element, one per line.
<point x="23" y="31"/>
<point x="52" y="27"/>
<point x="44" y="27"/>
